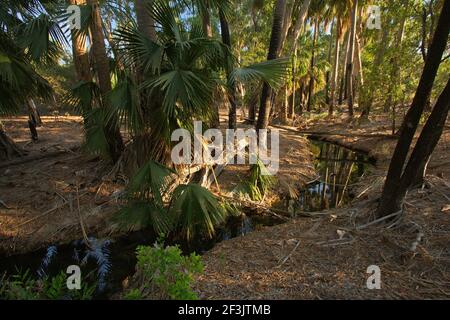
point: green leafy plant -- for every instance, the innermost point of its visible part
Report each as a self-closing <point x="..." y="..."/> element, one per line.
<point x="22" y="286"/>
<point x="145" y="195"/>
<point x="196" y="210"/>
<point x="193" y="209"/>
<point x="258" y="184"/>
<point x="164" y="273"/>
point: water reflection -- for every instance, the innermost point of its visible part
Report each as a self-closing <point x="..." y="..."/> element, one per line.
<point x="338" y="169"/>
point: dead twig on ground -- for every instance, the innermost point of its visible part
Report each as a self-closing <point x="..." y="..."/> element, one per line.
<point x="289" y="255"/>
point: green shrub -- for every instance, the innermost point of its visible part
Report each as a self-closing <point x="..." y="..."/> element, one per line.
<point x="22" y="286"/>
<point x="164" y="273"/>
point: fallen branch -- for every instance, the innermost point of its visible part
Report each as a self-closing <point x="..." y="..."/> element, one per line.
<point x="289" y="255"/>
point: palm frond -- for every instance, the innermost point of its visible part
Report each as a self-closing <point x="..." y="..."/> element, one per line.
<point x="196" y="211"/>
<point x="150" y="182"/>
<point x="272" y="71"/>
<point x="124" y="102"/>
<point x="143" y="214"/>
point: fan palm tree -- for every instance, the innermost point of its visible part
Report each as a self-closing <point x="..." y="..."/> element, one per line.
<point x="29" y="35"/>
<point x="275" y="40"/>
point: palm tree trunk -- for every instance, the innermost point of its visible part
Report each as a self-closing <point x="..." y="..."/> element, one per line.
<point x="392" y="195"/>
<point x="79" y="51"/>
<point x="334" y="74"/>
<point x="275" y="39"/>
<point x="226" y="39"/>
<point x="206" y="21"/>
<point x="343" y="84"/>
<point x="328" y="74"/>
<point x="350" y="97"/>
<point x="145" y="22"/>
<point x="313" y="57"/>
<point x="115" y="141"/>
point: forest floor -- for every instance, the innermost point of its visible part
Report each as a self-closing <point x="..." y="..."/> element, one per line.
<point x="48" y="194"/>
<point x="327" y="255"/>
<point x="43" y="192"/>
<point x="323" y="256"/>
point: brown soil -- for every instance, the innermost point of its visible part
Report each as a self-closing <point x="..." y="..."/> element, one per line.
<point x="327" y="256"/>
<point x="39" y="198"/>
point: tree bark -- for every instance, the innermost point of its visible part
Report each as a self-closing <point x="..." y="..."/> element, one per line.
<point x="206" y="20"/>
<point x="145" y="22"/>
<point x="343" y="84"/>
<point x="226" y="39"/>
<point x="79" y="51"/>
<point x="313" y="57"/>
<point x="334" y="74"/>
<point x="265" y="103"/>
<point x="391" y="196"/>
<point x="350" y="100"/>
<point x="113" y="136"/>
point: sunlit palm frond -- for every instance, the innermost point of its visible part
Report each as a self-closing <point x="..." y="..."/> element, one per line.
<point x="43" y="38"/>
<point x="273" y="72"/>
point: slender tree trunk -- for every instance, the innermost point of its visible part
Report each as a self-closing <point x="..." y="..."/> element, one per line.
<point x="343" y="85"/>
<point x="278" y="16"/>
<point x="287" y="22"/>
<point x="350" y="98"/>
<point x="300" y="22"/>
<point x="206" y="20"/>
<point x="429" y="138"/>
<point x="113" y="136"/>
<point x="226" y="39"/>
<point x="328" y="74"/>
<point x="334" y="73"/>
<point x="313" y="57"/>
<point x="392" y="197"/>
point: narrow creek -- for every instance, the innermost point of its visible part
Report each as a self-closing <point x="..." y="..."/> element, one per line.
<point x="338" y="169"/>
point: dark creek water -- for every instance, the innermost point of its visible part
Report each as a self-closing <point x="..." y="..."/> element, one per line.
<point x="114" y="260"/>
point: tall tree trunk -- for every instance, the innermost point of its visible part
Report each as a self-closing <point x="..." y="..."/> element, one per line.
<point x="350" y="100"/>
<point x="287" y="22"/>
<point x="113" y="136"/>
<point x="343" y="85"/>
<point x="79" y="51"/>
<point x="264" y="109"/>
<point x="295" y="35"/>
<point x="313" y="57"/>
<point x="334" y="74"/>
<point x="226" y="39"/>
<point x="391" y="197"/>
<point x="206" y="20"/>
<point x="145" y="22"/>
<point x="328" y="74"/>
<point x="300" y="22"/>
<point x="429" y="138"/>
